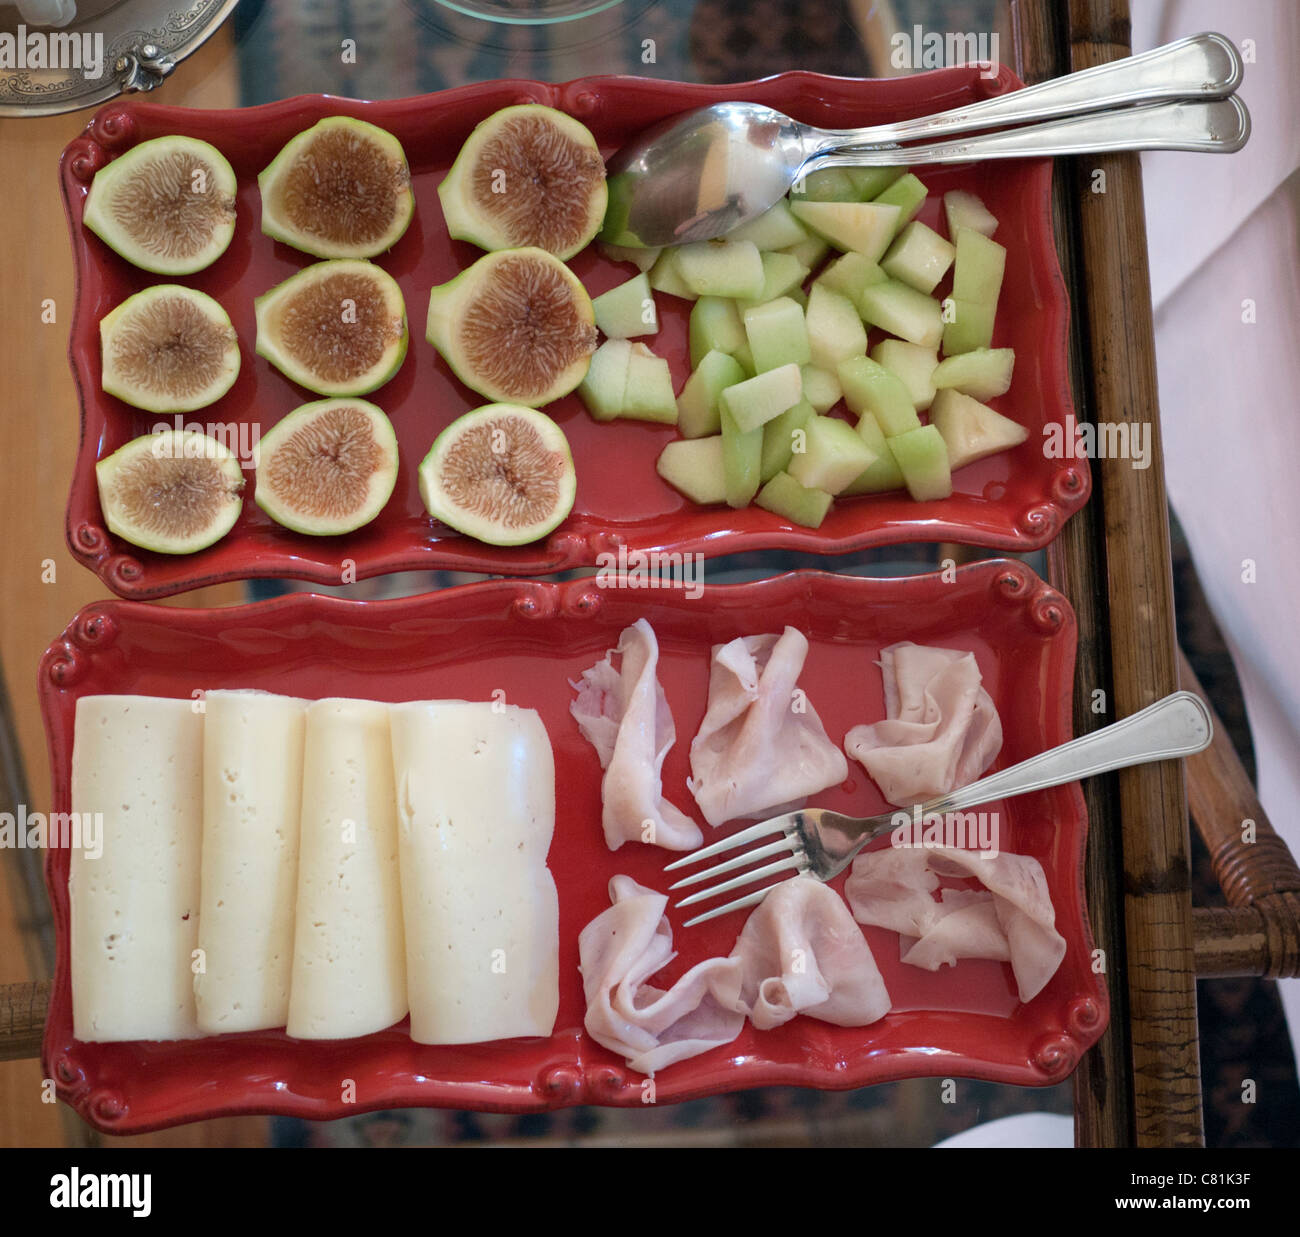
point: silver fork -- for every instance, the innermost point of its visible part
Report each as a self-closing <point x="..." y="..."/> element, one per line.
<point x="820" y="843"/>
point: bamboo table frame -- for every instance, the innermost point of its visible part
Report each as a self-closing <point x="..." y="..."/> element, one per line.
<point x="1140" y="1085"/>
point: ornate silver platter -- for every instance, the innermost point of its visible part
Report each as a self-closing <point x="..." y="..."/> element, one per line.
<point x="109" y="47"/>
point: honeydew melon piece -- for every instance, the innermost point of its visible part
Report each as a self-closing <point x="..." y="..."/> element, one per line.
<point x="884" y="474"/>
<point x="911" y="363"/>
<point x="666" y="276"/>
<point x="970" y="327"/>
<point x="800" y="298"/>
<point x="835" y="332"/>
<point x="869" y="182"/>
<point x="833" y="456"/>
<point x="825" y="185"/>
<point x="919" y="257"/>
<point x="648" y="395"/>
<point x="922" y="458"/>
<point x="870" y="387"/>
<point x="757" y="400"/>
<point x="902" y="311"/>
<point x="982" y="374"/>
<point x="642" y="259"/>
<point x="821" y="387"/>
<point x="784" y="496"/>
<point x="774" y="229"/>
<point x="694" y="468"/>
<point x="603" y="388"/>
<point x="858" y="227"/>
<point x="966" y="210"/>
<point x="627" y="310"/>
<point x="810" y="252"/>
<point x="849" y="274"/>
<point x="782" y="275"/>
<point x="972" y="430"/>
<point x="777" y="334"/>
<point x="908" y="194"/>
<point x="746" y="358"/>
<point x="722" y="268"/>
<point x="697" y="405"/>
<point x="779" y="438"/>
<point x="978" y="270"/>
<point x="715" y="327"/>
<point x="742" y="458"/>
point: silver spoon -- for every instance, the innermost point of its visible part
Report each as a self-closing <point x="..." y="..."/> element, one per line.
<point x="701" y="174"/>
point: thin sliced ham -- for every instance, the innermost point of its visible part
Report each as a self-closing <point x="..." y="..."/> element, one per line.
<point x="624" y="715"/>
<point x="1012" y="919"/>
<point x="799" y="952"/>
<point x="761" y="748"/>
<point x="941" y="729"/>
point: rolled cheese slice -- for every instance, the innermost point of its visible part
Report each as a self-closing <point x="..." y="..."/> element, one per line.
<point x="349" y="963"/>
<point x="476" y="806"/>
<point x="252" y="797"/>
<point x="137" y="762"/>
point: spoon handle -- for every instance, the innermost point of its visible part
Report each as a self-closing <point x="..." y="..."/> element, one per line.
<point x="1213" y="128"/>
<point x="1203" y="67"/>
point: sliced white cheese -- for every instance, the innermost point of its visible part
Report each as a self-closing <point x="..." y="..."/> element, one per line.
<point x="138" y="762"/>
<point x="349" y="964"/>
<point x="476" y="805"/>
<point x="252" y="797"/>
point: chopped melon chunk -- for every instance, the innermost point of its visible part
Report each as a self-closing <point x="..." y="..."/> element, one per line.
<point x="902" y="311"/>
<point x="913" y="364"/>
<point x="757" y="400"/>
<point x="810" y="252"/>
<point x="919" y="257"/>
<point x="833" y="456"/>
<point x="826" y="185"/>
<point x="642" y="259"/>
<point x="666" y="276"/>
<point x="782" y="275"/>
<point x="884" y="474"/>
<point x="715" y="327"/>
<point x="779" y="438"/>
<point x="835" y="331"/>
<point x="777" y="334"/>
<point x="774" y="229"/>
<point x="628" y="310"/>
<point x="648" y="395"/>
<point x="978" y="269"/>
<point x="603" y="388"/>
<point x="742" y="456"/>
<point x="972" y="430"/>
<point x="981" y="374"/>
<point x="871" y="181"/>
<point x="922" y="458"/>
<point x="965" y="210"/>
<point x="860" y="227"/>
<point x="908" y="194"/>
<point x="697" y="405"/>
<point x="695" y="468"/>
<point x="870" y="387"/>
<point x="821" y="387"/>
<point x="849" y="274"/>
<point x="784" y="496"/>
<point x="722" y="268"/>
<point x="971" y="325"/>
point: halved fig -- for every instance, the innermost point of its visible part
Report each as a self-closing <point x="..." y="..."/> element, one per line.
<point x="166" y="205"/>
<point x="327" y="468"/>
<point x="174" y="491"/>
<point x="336" y="328"/>
<point x="341" y="189"/>
<point x="518" y="326"/>
<point x="503" y="474"/>
<point x="527" y="176"/>
<point x="168" y="349"/>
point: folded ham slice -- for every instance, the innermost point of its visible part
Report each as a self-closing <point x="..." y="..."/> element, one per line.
<point x="799" y="952"/>
<point x="624" y="715"/>
<point x="1011" y="919"/>
<point x="760" y="749"/>
<point x="941" y="729"/>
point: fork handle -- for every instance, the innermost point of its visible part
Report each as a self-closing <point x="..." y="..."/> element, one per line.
<point x="1178" y="725"/>
<point x="1205" y="66"/>
<point x="1220" y="127"/>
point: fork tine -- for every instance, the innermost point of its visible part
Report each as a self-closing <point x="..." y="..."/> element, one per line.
<point x="730" y="865"/>
<point x="747" y="878"/>
<point x="752" y="834"/>
<point x="748" y="900"/>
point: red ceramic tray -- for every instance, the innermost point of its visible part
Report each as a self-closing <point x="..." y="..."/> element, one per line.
<point x="530" y="639"/>
<point x="1015" y="501"/>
